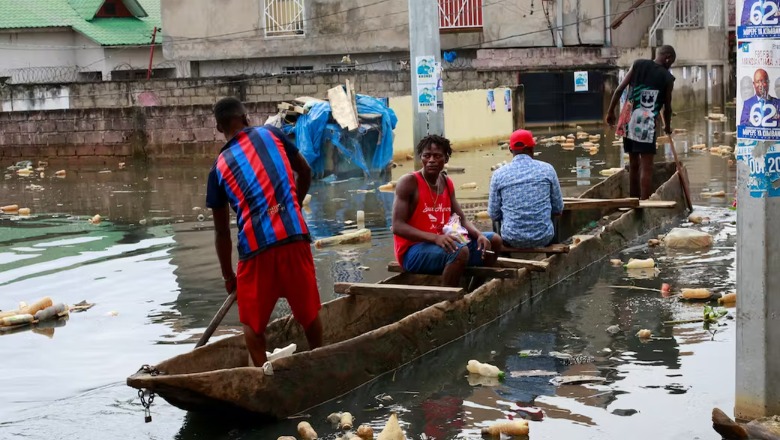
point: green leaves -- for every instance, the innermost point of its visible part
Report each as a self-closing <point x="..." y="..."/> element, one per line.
<point x="712" y="315"/>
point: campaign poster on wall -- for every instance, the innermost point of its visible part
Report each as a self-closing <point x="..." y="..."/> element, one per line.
<point x="758" y="79"/>
<point x="580" y="81"/>
<point x="758" y="19"/>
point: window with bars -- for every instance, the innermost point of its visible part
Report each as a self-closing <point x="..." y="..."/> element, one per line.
<point x="460" y="15"/>
<point x="341" y="67"/>
<point x="283" y="18"/>
<point x="298" y="69"/>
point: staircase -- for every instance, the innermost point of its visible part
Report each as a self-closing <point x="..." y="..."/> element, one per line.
<point x="663" y="20"/>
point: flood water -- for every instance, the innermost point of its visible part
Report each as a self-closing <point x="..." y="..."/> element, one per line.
<point x="151" y="271"/>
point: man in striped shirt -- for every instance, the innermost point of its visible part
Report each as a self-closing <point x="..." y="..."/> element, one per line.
<point x="263" y="177"/>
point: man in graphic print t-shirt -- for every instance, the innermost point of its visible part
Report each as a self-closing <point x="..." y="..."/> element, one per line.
<point x="651" y="90"/>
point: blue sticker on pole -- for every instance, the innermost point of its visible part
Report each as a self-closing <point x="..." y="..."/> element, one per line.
<point x="764" y="168"/>
<point x="758" y="19"/>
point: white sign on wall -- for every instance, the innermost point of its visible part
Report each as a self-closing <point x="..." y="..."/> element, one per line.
<point x="580" y="81"/>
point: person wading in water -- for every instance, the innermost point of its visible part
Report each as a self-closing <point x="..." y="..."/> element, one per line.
<point x="651" y="89"/>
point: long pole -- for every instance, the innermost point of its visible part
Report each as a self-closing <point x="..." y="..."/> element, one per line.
<point x="683" y="176"/>
<point x="559" y="23"/>
<point x="424" y="42"/>
<point x="216" y="320"/>
<point x="151" y="54"/>
<point x="607" y="29"/>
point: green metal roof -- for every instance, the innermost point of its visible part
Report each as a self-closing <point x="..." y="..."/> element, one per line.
<point x="78" y="15"/>
<point x="86" y="8"/>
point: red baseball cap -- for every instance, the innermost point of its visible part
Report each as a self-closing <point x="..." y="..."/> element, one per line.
<point x="521" y="139"/>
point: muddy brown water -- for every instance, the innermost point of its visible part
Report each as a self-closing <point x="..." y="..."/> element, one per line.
<point x="151" y="262"/>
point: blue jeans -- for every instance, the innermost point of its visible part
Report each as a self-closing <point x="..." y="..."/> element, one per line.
<point x="430" y="259"/>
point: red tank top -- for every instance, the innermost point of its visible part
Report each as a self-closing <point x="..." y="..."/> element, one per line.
<point x="430" y="214"/>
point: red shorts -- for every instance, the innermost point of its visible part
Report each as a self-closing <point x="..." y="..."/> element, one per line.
<point x="285" y="271"/>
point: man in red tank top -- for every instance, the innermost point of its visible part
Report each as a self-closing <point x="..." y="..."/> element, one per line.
<point x="424" y="202"/>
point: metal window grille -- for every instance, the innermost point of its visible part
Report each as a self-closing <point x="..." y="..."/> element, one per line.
<point x="283" y="18"/>
<point x="341" y="67"/>
<point x="298" y="69"/>
<point x="689" y="14"/>
<point x="460" y="14"/>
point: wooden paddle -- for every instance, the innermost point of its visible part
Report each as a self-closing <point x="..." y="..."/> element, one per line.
<point x="683" y="176"/>
<point x="217" y="319"/>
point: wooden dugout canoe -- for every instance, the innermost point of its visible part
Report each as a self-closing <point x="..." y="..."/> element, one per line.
<point x="367" y="336"/>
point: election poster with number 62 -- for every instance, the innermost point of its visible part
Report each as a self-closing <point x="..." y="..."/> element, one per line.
<point x="758" y="19"/>
<point x="758" y="79"/>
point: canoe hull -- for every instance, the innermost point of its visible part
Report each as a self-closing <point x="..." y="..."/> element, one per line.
<point x="376" y="337"/>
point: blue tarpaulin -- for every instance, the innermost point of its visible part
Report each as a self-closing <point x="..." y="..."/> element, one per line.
<point x="313" y="129"/>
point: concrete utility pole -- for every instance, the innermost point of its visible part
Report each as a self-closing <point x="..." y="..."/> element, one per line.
<point x="758" y="220"/>
<point x="424" y="41"/>
<point x="758" y="300"/>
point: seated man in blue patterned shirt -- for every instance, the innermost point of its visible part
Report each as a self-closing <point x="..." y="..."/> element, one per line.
<point x="525" y="195"/>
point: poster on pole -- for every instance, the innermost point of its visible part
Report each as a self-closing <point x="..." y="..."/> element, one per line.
<point x="426" y="98"/>
<point x="758" y="79"/>
<point x="425" y="69"/>
<point x="580" y="81"/>
<point x="439" y="77"/>
<point x="763" y="161"/>
<point x="758" y="19"/>
<point x="427" y="73"/>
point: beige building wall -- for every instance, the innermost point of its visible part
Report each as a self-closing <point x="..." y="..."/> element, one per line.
<point x="468" y="121"/>
<point x="634" y="30"/>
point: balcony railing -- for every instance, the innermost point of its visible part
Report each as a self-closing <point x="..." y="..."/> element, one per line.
<point x="460" y="15"/>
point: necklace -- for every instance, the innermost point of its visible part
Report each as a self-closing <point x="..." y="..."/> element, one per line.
<point x="435" y="192"/>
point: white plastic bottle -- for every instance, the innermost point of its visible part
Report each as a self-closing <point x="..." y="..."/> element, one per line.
<point x="487" y="370"/>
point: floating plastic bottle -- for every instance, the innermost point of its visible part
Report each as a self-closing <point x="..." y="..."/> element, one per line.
<point x="487" y="370"/>
<point x="635" y="263"/>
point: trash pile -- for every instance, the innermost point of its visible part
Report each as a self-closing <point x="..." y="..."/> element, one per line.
<point x="343" y="422"/>
<point x="38" y="314"/>
<point x="347" y="134"/>
<point x="589" y="142"/>
<point x="680" y="239"/>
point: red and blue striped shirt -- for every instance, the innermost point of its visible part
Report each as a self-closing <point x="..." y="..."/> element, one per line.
<point x="253" y="175"/>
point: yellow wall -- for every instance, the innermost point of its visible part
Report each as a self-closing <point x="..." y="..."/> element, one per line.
<point x="467" y="120"/>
